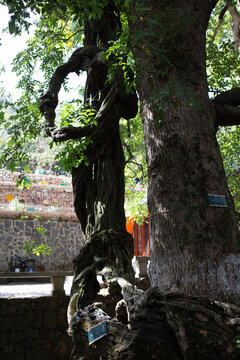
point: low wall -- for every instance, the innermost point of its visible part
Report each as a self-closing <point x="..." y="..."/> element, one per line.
<point x="65" y="239"/>
<point x="34" y="329"/>
<point x="42" y="197"/>
<point x="46" y="193"/>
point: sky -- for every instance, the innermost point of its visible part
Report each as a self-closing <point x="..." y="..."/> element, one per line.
<point x="10" y="47"/>
<point x="8" y="50"/>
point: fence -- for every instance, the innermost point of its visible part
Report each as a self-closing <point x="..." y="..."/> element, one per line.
<point x="141" y="239"/>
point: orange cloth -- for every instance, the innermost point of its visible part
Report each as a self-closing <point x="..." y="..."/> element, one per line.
<point x="130" y="223"/>
<point x="9" y="197"/>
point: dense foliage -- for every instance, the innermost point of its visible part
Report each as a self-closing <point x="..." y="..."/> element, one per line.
<point x="223" y="69"/>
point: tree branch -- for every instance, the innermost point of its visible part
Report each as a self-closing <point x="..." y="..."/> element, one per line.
<point x="220" y="21"/>
<point x="226" y="108"/>
<point x="79" y="61"/>
<point x="236" y="22"/>
<point x="130" y="155"/>
<point x="227" y="115"/>
<point x="231" y="97"/>
<point x="76" y="32"/>
<point x="140" y="166"/>
<point x="117" y="103"/>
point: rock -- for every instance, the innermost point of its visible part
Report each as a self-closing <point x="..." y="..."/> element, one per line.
<point x="121" y="312"/>
<point x="108" y="302"/>
<point x="31" y="333"/>
<point x="30" y="317"/>
<point x="142" y="283"/>
<point x="39" y="353"/>
<point x="49" y="319"/>
<point x="6" y="323"/>
<point x="62" y="317"/>
<point x="13" y="357"/>
<point x="61" y="349"/>
<point x="19" y="349"/>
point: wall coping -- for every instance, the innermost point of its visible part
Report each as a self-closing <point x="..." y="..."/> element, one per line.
<point x="41" y="215"/>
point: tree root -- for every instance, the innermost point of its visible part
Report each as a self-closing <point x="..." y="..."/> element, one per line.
<point x="161" y="326"/>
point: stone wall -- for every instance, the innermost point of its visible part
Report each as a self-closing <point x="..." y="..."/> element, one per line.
<point x="37" y="198"/>
<point x="65" y="239"/>
<point x="7" y="176"/>
<point x="34" y="329"/>
<point x="46" y="193"/>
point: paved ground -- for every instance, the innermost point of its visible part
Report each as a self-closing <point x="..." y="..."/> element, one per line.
<point x="20" y="290"/>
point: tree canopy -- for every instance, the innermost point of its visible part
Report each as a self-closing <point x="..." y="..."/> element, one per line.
<point x="59" y="30"/>
<point x="194" y="234"/>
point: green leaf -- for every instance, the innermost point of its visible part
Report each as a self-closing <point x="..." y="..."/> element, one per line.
<point x="12" y="26"/>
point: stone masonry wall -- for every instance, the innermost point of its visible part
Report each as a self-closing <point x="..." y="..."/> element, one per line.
<point x="39" y="197"/>
<point x="34" y="329"/>
<point x="65" y="239"/>
<point x="46" y="193"/>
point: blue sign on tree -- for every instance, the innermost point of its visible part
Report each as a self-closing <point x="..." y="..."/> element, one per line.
<point x="97" y="332"/>
<point x="217" y="200"/>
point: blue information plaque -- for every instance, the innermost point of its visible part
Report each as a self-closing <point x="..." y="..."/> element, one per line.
<point x="97" y="332"/>
<point x="217" y="200"/>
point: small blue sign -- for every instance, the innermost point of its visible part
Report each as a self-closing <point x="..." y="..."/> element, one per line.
<point x="217" y="200"/>
<point x="97" y="332"/>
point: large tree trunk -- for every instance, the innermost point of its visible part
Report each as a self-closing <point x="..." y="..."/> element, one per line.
<point x="99" y="186"/>
<point x="194" y="246"/>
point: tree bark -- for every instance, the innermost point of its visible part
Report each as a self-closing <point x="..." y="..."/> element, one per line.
<point x="99" y="186"/>
<point x="169" y="326"/>
<point x="194" y="246"/>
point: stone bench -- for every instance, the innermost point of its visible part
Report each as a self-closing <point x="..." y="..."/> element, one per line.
<point x="57" y="278"/>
